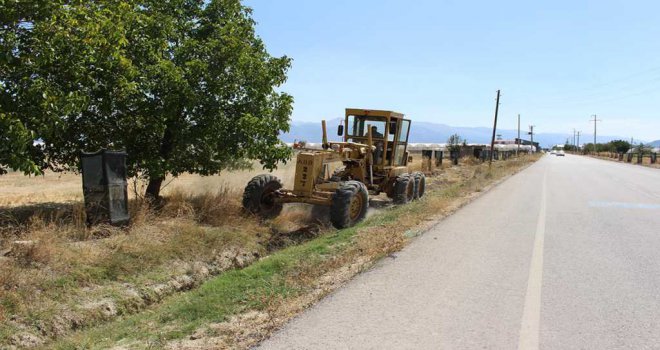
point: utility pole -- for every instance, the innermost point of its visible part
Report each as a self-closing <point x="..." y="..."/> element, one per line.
<point x="573" y="136"/>
<point x="578" y="142"/>
<point x="595" y="123"/>
<point x="518" y="150"/>
<point x="492" y="141"/>
<point x="531" y="133"/>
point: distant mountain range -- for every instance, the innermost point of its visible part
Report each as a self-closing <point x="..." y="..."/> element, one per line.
<point x="656" y="143"/>
<point x="425" y="132"/>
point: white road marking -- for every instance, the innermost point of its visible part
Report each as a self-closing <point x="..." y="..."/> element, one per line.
<point x="623" y="205"/>
<point x="529" y="328"/>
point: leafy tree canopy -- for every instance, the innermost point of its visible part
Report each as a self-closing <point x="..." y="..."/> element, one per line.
<point x="642" y="148"/>
<point x="16" y="147"/>
<point x="181" y="85"/>
<point x="454" y="143"/>
<point x="620" y="146"/>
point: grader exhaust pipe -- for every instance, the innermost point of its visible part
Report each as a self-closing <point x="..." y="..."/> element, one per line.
<point x="324" y="142"/>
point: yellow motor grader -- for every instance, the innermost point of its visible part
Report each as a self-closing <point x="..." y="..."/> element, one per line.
<point x="374" y="157"/>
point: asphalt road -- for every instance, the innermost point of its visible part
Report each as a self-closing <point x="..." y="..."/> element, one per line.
<point x="563" y="255"/>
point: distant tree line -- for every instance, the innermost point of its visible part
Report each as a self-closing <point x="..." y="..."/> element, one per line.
<point x="615" y="146"/>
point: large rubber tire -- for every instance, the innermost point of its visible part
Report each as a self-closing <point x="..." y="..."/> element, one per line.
<point x="404" y="189"/>
<point x="259" y="194"/>
<point x="350" y="203"/>
<point x="420" y="184"/>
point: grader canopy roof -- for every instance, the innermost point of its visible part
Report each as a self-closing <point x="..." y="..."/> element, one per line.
<point x="358" y="119"/>
<point x="389" y="131"/>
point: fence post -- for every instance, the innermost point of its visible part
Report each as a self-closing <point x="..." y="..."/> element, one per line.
<point x="454" y="155"/>
<point x="426" y="160"/>
<point x="438" y="158"/>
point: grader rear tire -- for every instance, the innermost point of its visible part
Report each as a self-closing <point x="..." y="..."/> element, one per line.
<point x="350" y="203"/>
<point x="404" y="189"/>
<point x="259" y="195"/>
<point x="420" y="184"/>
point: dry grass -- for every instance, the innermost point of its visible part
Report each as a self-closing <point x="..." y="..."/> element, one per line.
<point x="314" y="278"/>
<point x="52" y="266"/>
<point x="18" y="190"/>
<point x="67" y="276"/>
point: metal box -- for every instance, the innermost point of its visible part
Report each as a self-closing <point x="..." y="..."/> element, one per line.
<point x="105" y="189"/>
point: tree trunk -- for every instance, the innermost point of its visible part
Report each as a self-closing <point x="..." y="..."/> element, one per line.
<point x="153" y="188"/>
<point x="155" y="183"/>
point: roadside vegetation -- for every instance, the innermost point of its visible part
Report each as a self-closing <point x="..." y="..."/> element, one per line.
<point x="646" y="158"/>
<point x="617" y="150"/>
<point x="57" y="274"/>
<point x="96" y="283"/>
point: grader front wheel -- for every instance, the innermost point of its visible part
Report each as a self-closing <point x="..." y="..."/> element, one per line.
<point x="350" y="203"/>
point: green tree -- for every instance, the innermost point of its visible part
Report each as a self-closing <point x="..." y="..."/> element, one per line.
<point x="600" y="147"/>
<point x="17" y="151"/>
<point x="642" y="148"/>
<point x="620" y="146"/>
<point x="569" y="148"/>
<point x="181" y="85"/>
<point x="454" y="143"/>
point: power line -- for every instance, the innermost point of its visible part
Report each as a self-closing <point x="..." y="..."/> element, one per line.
<point x="626" y="78"/>
<point x="596" y="94"/>
<point x="604" y="98"/>
<point x="645" y="73"/>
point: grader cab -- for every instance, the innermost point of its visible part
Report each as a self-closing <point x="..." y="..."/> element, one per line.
<point x="374" y="160"/>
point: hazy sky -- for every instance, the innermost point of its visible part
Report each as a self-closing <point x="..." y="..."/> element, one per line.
<point x="556" y="62"/>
